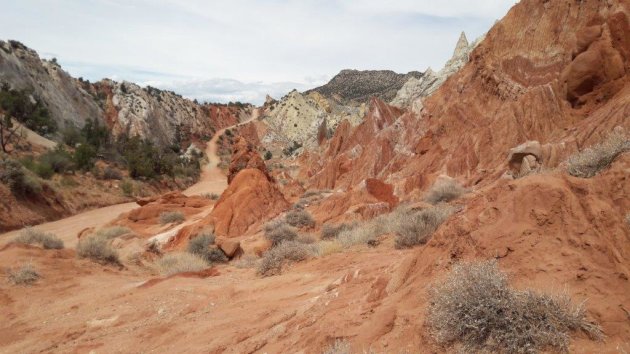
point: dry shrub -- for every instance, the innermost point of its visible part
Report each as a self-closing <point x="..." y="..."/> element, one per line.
<point x="97" y="249"/>
<point x="589" y="162"/>
<point x="307" y="239"/>
<point x="475" y="308"/>
<point x="280" y="232"/>
<point x="444" y="191"/>
<point x="31" y="236"/>
<point x="299" y="218"/>
<point x="201" y="247"/>
<point x="24" y="275"/>
<point x="331" y="232"/>
<point x="325" y="248"/>
<point x="112" y="232"/>
<point x="416" y="227"/>
<point x="287" y="251"/>
<point x="211" y="196"/>
<point x="174" y="263"/>
<point x="168" y="217"/>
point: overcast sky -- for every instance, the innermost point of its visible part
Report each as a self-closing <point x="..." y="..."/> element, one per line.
<point x="242" y="49"/>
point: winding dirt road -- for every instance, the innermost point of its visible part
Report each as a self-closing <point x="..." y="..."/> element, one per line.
<point x="212" y="180"/>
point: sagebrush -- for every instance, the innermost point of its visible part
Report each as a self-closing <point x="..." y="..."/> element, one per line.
<point x="474" y="308"/>
<point x="416" y="227"/>
<point x="31" y="236"/>
<point x="201" y="247"/>
<point x="288" y="251"/>
<point x="279" y="232"/>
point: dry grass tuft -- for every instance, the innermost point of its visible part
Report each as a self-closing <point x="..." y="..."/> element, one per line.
<point x="444" y="191"/>
<point x="174" y="263"/>
<point x="299" y="218"/>
<point x="475" y="308"/>
<point x="168" y="217"/>
<point x="24" y="275"/>
<point x="97" y="249"/>
<point x="589" y="162"/>
<point x="247" y="261"/>
<point x="30" y="236"/>
<point x="416" y="227"/>
<point x="286" y="252"/>
<point x="325" y="248"/>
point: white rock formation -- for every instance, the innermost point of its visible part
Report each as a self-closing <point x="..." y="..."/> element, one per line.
<point x="414" y="90"/>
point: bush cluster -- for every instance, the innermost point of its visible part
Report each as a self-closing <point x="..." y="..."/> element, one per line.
<point x="15" y="177"/>
<point x="278" y="232"/>
<point x="474" y="307"/>
<point x="27" y="109"/>
<point x="31" y="236"/>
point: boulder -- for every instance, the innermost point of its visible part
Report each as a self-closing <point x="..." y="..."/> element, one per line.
<point x="231" y="248"/>
<point x="525" y="157"/>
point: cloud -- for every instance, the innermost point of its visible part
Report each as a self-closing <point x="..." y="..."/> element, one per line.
<point x="252" y="42"/>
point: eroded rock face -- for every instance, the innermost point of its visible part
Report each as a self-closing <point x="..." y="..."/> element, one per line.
<point x="249" y="199"/>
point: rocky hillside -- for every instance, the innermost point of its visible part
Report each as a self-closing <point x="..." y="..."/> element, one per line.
<point x="358" y="86"/>
<point x="161" y="116"/>
<point x="67" y="101"/>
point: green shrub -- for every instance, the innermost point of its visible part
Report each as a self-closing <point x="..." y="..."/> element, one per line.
<point x="30" y="236"/>
<point x="13" y="175"/>
<point x="589" y="162"/>
<point x="59" y="160"/>
<point x="168" y="217"/>
<point x="110" y="173"/>
<point x="444" y="190"/>
<point x="475" y="307"/>
<point x="27" y="109"/>
<point x="299" y="218"/>
<point x="24" y="275"/>
<point x="287" y="251"/>
<point x="127" y="188"/>
<point x="416" y="228"/>
<point x="84" y="156"/>
<point x="174" y="263"/>
<point x="97" y="249"/>
<point x="268" y="155"/>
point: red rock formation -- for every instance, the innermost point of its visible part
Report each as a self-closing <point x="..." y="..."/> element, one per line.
<point x="245" y="156"/>
<point x="561" y="83"/>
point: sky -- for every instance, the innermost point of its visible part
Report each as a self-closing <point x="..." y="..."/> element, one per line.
<point x="241" y="50"/>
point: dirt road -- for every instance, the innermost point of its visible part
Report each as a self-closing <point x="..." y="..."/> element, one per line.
<point x="212" y="180"/>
